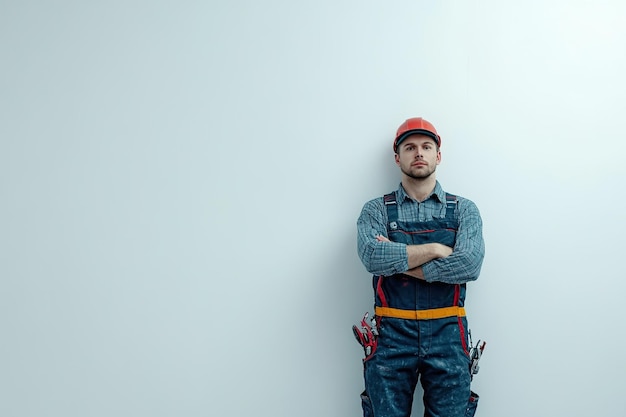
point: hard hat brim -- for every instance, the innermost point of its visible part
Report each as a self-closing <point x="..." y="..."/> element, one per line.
<point x="408" y="133"/>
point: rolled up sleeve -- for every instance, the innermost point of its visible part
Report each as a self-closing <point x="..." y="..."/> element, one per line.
<point x="379" y="258"/>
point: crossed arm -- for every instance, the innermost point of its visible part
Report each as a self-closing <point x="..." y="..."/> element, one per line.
<point x="418" y="255"/>
<point x="430" y="261"/>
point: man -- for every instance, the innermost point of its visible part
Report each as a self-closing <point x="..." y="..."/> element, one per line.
<point x="422" y="245"/>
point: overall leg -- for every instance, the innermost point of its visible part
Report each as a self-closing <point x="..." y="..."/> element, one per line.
<point x="444" y="370"/>
<point x="391" y="372"/>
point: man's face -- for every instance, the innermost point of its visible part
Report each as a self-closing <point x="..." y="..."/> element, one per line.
<point x="418" y="156"/>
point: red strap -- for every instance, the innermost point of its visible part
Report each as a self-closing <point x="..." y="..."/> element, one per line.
<point x="380" y="292"/>
<point x="457" y="296"/>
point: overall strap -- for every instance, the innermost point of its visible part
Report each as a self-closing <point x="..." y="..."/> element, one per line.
<point x="391" y="204"/>
<point x="392" y="211"/>
<point x="452" y="205"/>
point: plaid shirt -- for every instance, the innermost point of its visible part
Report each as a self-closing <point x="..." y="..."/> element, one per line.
<point x="389" y="258"/>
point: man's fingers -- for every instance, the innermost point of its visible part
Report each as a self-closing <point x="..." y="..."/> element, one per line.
<point x="382" y="238"/>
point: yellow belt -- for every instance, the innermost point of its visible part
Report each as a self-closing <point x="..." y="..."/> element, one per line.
<point x="433" y="313"/>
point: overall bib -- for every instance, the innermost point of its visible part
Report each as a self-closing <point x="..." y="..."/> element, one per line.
<point x="422" y="332"/>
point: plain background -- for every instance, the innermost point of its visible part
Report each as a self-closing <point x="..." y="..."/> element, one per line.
<point x="181" y="180"/>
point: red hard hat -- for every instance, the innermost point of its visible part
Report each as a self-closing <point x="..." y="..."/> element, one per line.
<point x="412" y="126"/>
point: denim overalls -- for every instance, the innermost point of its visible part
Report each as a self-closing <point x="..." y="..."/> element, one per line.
<point x="422" y="332"/>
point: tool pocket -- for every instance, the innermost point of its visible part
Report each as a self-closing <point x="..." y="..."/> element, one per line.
<point x="366" y="403"/>
<point x="366" y="335"/>
<point x="472" y="404"/>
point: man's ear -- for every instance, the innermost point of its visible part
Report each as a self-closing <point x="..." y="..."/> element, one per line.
<point x="397" y="158"/>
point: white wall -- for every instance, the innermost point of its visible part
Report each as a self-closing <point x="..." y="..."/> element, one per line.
<point x="181" y="180"/>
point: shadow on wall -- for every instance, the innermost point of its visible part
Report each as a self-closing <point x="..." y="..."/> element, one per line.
<point x="346" y="287"/>
<point x="351" y="295"/>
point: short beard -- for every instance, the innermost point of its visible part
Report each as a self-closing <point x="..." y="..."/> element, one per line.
<point x="418" y="176"/>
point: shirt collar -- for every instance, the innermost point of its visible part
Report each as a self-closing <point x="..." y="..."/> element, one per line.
<point x="437" y="193"/>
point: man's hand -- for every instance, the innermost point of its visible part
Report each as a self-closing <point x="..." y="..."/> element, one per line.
<point x="442" y="251"/>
